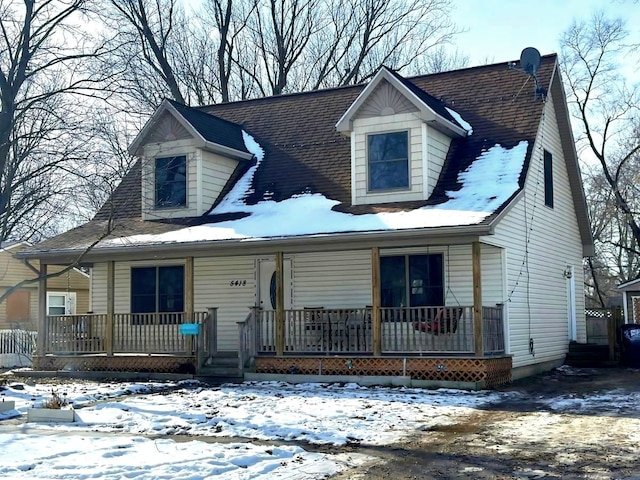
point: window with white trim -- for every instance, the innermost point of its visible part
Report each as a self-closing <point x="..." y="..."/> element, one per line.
<point x="171" y="182"/>
<point x="61" y="303"/>
<point x="412" y="280"/>
<point x="388" y="161"/>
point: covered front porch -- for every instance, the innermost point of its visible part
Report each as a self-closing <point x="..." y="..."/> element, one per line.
<point x="443" y="342"/>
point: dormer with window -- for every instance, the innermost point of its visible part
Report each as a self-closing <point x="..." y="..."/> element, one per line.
<point x="400" y="137"/>
<point x="188" y="156"/>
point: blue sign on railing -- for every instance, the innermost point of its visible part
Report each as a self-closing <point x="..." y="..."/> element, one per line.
<point x="189" y="329"/>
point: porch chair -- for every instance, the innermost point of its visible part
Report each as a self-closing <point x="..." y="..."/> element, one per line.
<point x="445" y="321"/>
<point x="315" y="326"/>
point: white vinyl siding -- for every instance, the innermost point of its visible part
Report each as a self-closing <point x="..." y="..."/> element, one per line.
<point x="207" y="174"/>
<point x="536" y="286"/>
<point x="332" y="279"/>
<point x="122" y="283"/>
<point x="437" y="148"/>
<point x="340" y="279"/>
<point x="216" y="171"/>
<point x="386" y="124"/>
<point x="227" y="283"/>
<point x="99" y="288"/>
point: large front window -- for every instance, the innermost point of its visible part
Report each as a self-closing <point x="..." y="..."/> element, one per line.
<point x="411" y="280"/>
<point x="157" y="290"/>
<point x="388" y="161"/>
<point x="171" y="182"/>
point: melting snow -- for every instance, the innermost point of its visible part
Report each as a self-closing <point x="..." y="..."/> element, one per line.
<point x="488" y="183"/>
<point x="456" y="116"/>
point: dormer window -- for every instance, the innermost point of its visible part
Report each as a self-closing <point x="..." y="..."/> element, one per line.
<point x="388" y="161"/>
<point x="171" y="182"/>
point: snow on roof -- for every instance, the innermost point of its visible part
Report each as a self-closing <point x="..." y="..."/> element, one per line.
<point x="486" y="185"/>
<point x="461" y="121"/>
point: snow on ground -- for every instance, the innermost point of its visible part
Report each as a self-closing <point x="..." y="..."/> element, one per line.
<point x="188" y="430"/>
<point x="117" y="426"/>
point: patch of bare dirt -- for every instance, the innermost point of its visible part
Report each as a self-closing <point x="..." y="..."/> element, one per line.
<point x="525" y="437"/>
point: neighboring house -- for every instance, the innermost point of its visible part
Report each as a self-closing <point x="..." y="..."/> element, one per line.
<point x="430" y="227"/>
<point x="631" y="300"/>
<point x="65" y="295"/>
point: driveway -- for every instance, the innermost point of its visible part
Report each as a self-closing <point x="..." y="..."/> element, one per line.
<point x="570" y="423"/>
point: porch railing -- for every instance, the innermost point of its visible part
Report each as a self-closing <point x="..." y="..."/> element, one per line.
<point x="75" y="333"/>
<point x="312" y="330"/>
<point x="427" y="329"/>
<point x="493" y="330"/>
<point x="132" y="333"/>
<point x="432" y="330"/>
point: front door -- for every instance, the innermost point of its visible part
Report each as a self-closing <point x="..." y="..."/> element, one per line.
<point x="267" y="284"/>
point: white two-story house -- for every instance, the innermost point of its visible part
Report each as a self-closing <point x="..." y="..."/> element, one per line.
<point x="430" y="229"/>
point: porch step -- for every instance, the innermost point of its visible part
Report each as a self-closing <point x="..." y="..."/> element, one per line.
<point x="223" y="366"/>
<point x="589" y="355"/>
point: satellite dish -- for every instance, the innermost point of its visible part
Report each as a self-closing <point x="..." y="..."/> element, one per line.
<point x="530" y="60"/>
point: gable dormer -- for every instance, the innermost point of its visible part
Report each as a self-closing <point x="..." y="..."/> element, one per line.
<point x="188" y="156"/>
<point x="400" y="136"/>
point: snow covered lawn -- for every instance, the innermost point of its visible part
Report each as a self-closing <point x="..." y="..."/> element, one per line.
<point x="268" y="430"/>
<point x="119" y="424"/>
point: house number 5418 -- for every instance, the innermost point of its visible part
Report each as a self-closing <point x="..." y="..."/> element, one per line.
<point x="238" y="283"/>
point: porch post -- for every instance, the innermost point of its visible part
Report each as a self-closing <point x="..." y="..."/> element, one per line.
<point x="279" y="304"/>
<point x="41" y="339"/>
<point x="376" y="329"/>
<point x="188" y="302"/>
<point x="110" y="307"/>
<point x="188" y="290"/>
<point x="477" y="299"/>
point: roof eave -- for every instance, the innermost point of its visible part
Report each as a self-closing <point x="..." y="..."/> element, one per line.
<point x="224" y="150"/>
<point x="571" y="159"/>
<point x="272" y="244"/>
<point x="136" y="146"/>
<point x="427" y="114"/>
<point x="630" y="283"/>
<point x="445" y="126"/>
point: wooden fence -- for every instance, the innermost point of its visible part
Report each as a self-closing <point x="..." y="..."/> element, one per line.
<point x="16" y="347"/>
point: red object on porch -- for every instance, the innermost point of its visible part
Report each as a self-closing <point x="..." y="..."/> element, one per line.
<point x="441" y="323"/>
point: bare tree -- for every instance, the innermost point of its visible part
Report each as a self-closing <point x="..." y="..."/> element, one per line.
<point x="152" y="27"/>
<point x="360" y="36"/>
<point x="280" y="30"/>
<point x="614" y="261"/>
<point x="607" y="111"/>
<point x="440" y="59"/>
<point x="235" y="49"/>
<point x="43" y="71"/>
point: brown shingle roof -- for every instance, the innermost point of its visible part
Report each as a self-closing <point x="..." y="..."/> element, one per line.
<point x="305" y="154"/>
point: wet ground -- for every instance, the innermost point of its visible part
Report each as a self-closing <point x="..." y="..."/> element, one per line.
<point x="533" y="433"/>
<point x="569" y="423"/>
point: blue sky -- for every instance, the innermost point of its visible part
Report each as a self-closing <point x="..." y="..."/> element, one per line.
<point x="498" y="30"/>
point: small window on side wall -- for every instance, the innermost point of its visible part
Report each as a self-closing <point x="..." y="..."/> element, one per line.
<point x="61" y="303"/>
<point x="171" y="182"/>
<point x="388" y="161"/>
<point x="548" y="179"/>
